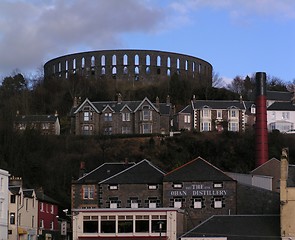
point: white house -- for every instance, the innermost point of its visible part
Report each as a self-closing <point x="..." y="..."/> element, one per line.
<point x="3" y="204"/>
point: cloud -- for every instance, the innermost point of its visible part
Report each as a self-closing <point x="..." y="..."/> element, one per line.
<point x="33" y="30"/>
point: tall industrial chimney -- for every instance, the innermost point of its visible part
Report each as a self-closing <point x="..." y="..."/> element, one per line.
<point x="261" y="120"/>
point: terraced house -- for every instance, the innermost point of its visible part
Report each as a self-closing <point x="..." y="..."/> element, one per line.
<point x="122" y="117"/>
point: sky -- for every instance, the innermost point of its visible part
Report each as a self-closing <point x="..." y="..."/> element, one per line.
<point x="238" y="37"/>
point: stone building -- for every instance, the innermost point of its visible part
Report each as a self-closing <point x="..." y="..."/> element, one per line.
<point x="122" y="117"/>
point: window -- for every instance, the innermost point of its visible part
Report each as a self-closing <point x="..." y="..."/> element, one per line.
<point x="45" y="125"/>
<point x="108" y="117"/>
<point x="142" y="224"/>
<point x="218" y="185"/>
<point x="113" y="187"/>
<point x="41" y="223"/>
<point x="233" y="126"/>
<point x="206" y="126"/>
<point x="113" y="204"/>
<point x="273" y="115"/>
<point x="206" y="113"/>
<point x="126" y="130"/>
<point x="217" y="202"/>
<point x="126" y="117"/>
<point x="285" y="115"/>
<point x="233" y="113"/>
<point x="146" y="113"/>
<point x="125" y="226"/>
<point x="87" y="116"/>
<point x="90" y="224"/>
<point x="87" y="129"/>
<point x="88" y="192"/>
<point x="108" y="224"/>
<point x="52" y="225"/>
<point x="41" y="207"/>
<point x="152" y="203"/>
<point x="146" y="128"/>
<point x="52" y="209"/>
<point x="12" y="218"/>
<point x="27" y="202"/>
<point x="177" y="185"/>
<point x="253" y="109"/>
<point x="177" y="202"/>
<point x="152" y="187"/>
<point x="12" y="199"/>
<point x="1" y="208"/>
<point x="158" y="221"/>
<point x="219" y="114"/>
<point x="134" y="203"/>
<point x="108" y="131"/>
<point x="33" y="221"/>
<point x="198" y="202"/>
<point x="187" y="119"/>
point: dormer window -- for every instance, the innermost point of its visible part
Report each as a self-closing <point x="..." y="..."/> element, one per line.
<point x="146" y="113"/>
<point x="87" y="116"/>
<point x="108" y="117"/>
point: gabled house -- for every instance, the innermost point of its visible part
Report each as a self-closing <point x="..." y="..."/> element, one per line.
<point x="213" y="115"/>
<point x="142" y="182"/>
<point x="46" y="124"/>
<point x="85" y="191"/>
<point x="201" y="190"/>
<point x="122" y="117"/>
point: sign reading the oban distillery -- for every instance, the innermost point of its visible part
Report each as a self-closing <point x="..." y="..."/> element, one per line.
<point x="198" y="190"/>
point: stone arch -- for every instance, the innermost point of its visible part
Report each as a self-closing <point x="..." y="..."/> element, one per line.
<point x="147" y="60"/>
<point x="103" y="60"/>
<point x="125" y="60"/>
<point x="114" y="60"/>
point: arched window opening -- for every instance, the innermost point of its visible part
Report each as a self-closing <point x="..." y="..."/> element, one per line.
<point x="148" y="60"/>
<point x="83" y="63"/>
<point x="53" y="69"/>
<point x="103" y="60"/>
<point x="114" y="70"/>
<point x="186" y="65"/>
<point x="74" y="63"/>
<point x="114" y="60"/>
<point x="125" y="60"/>
<point x="59" y="67"/>
<point x="168" y="72"/>
<point x="194" y="66"/>
<point x="158" y="61"/>
<point x="177" y="63"/>
<point x="168" y="62"/>
<point x="92" y="61"/>
<point x="136" y="70"/>
<point x="103" y="71"/>
<point x="136" y="60"/>
<point x="67" y="65"/>
<point x="125" y="70"/>
<point x="148" y="70"/>
<point x="200" y="68"/>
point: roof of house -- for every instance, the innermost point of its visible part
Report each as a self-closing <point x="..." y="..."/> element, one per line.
<point x="118" y="106"/>
<point x="218" y="104"/>
<point x="282" y="106"/>
<point x="238" y="227"/>
<point x="15" y="189"/>
<point x="29" y="193"/>
<point x="279" y="96"/>
<point x="143" y="172"/>
<point x="35" y="118"/>
<point x="187" y="109"/>
<point x="104" y="171"/>
<point x="196" y="170"/>
<point x="44" y="198"/>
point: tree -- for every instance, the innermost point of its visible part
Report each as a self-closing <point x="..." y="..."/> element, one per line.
<point x="217" y="81"/>
<point x="276" y="84"/>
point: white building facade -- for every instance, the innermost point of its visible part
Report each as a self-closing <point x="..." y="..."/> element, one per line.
<point x="4" y="176"/>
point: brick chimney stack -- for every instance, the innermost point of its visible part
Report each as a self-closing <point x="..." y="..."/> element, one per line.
<point x="261" y="132"/>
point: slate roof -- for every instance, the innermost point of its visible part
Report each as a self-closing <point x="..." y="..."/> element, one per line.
<point x="279" y="96"/>
<point x="116" y="106"/>
<point x="282" y="106"/>
<point x="44" y="198"/>
<point x="238" y="227"/>
<point x="28" y="193"/>
<point x="218" y="104"/>
<point x="187" y="109"/>
<point x="104" y="171"/>
<point x="143" y="172"/>
<point x="196" y="170"/>
<point x="35" y="118"/>
<point x="14" y="189"/>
